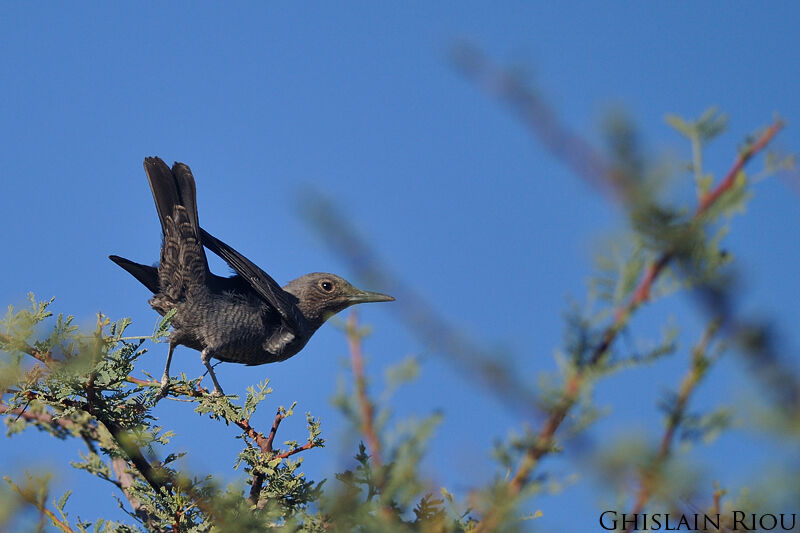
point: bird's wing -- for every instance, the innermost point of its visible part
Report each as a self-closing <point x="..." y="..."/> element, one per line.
<point x="261" y="282"/>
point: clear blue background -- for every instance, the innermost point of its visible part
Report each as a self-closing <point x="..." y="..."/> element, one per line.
<point x="361" y="102"/>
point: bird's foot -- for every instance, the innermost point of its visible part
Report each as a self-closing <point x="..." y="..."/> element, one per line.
<point x="163" y="390"/>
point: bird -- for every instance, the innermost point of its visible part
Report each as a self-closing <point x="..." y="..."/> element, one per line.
<point x="246" y="318"/>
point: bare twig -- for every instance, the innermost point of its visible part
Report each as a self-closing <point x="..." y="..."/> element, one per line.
<point x="176" y="390"/>
<point x="279" y="416"/>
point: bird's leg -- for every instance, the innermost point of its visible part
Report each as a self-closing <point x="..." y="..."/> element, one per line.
<point x="162" y="392"/>
<point x="205" y="356"/>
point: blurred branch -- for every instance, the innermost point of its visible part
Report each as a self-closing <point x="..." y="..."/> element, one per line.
<point x="419" y="317"/>
<point x="367" y="409"/>
<point x="125" y="482"/>
<point x="42" y="418"/>
<point x="576" y="382"/>
<point x="23" y="347"/>
<point x="641" y="294"/>
<point x="29" y="496"/>
<point x="575" y="152"/>
<point x="744" y="156"/>
<point x="354" y="336"/>
<point x="700" y="362"/>
<point x="119" y="465"/>
<point x="567" y="146"/>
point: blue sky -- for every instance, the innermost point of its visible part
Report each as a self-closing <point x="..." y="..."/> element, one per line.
<point x="361" y="103"/>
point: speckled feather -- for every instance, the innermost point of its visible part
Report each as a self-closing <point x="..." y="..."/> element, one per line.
<point x="247" y="318"/>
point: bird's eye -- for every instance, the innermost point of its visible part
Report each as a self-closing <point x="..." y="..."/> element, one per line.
<point x="326" y="285"/>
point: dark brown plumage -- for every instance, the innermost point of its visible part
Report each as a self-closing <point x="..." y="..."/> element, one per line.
<point x="247" y="318"/>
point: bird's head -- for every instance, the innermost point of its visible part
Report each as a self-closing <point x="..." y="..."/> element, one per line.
<point x="321" y="295"/>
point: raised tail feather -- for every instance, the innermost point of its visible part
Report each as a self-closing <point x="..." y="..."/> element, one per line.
<point x="183" y="268"/>
<point x="163" y="187"/>
<point x="171" y="188"/>
<point x="183" y="258"/>
<point x="175" y="196"/>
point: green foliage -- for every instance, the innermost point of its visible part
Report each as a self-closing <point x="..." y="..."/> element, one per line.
<point x="82" y="386"/>
<point x="73" y="384"/>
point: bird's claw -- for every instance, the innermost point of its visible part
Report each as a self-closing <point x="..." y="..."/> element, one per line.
<point x="163" y="390"/>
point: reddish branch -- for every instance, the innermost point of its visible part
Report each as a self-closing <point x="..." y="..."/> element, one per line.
<point x="574" y="384"/>
<point x="23" y="347"/>
<point x="119" y="465"/>
<point x="30" y="497"/>
<point x="649" y="476"/>
<point x="367" y="409"/>
<point x="642" y="292"/>
<point x="264" y="443"/>
<point x="730" y="178"/>
<point x="307" y="446"/>
<point x="268" y="451"/>
<point x="260" y="439"/>
<point x="39" y="418"/>
<point x="273" y="431"/>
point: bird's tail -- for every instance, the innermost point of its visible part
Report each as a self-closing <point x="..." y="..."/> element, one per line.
<point x="171" y="188"/>
<point x="147" y="275"/>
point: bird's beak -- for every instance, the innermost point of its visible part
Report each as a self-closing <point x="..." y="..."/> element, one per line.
<point x="362" y="297"/>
